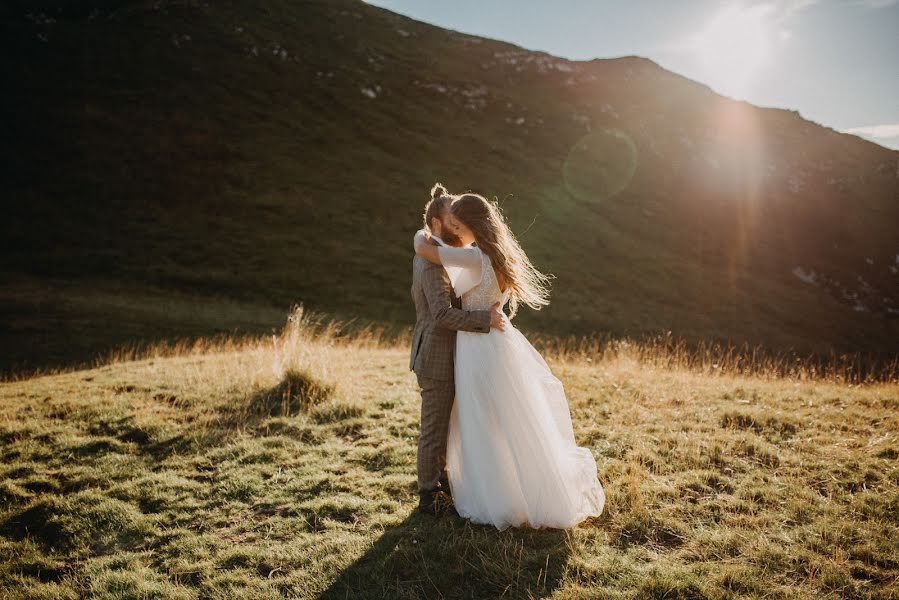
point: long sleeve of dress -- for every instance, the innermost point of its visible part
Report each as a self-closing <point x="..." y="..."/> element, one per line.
<point x="463" y="265"/>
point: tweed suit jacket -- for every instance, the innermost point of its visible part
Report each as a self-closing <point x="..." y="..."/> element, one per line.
<point x="438" y="315"/>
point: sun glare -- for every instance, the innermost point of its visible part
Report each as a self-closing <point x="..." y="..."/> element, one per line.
<point x="732" y="47"/>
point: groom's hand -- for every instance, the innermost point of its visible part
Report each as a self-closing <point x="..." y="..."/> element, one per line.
<point x="497" y="318"/>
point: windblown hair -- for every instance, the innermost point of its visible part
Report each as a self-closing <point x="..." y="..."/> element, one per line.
<point x="439" y="202"/>
<point x="495" y="239"/>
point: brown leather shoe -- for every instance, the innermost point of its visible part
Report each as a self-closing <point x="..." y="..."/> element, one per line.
<point x="443" y="503"/>
<point x="427" y="503"/>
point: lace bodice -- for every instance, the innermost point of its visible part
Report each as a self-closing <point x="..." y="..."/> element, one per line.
<point x="473" y="277"/>
<point x="486" y="293"/>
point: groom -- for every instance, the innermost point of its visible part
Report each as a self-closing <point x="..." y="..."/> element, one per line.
<point x="438" y="315"/>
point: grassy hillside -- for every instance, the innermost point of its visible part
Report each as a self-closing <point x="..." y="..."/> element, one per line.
<point x="177" y="168"/>
<point x="285" y="467"/>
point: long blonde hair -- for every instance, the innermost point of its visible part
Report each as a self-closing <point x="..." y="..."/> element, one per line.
<point x="495" y="239"/>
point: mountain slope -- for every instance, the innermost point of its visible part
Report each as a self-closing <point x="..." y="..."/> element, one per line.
<point x="269" y="155"/>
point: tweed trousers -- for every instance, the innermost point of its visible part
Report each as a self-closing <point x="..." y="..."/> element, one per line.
<point x="437" y="396"/>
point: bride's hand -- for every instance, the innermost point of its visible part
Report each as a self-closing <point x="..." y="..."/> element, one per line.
<point x="422" y="236"/>
<point x="424" y="247"/>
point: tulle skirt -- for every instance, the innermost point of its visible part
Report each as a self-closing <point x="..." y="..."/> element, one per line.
<point x="511" y="458"/>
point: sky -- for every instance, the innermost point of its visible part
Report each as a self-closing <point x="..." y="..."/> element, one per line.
<point x="835" y="61"/>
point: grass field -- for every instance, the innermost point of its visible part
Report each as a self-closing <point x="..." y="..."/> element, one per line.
<point x="284" y="466"/>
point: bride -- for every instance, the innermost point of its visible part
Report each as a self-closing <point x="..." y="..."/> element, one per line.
<point x="511" y="459"/>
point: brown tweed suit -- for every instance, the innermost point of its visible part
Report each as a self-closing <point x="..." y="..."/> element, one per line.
<point x="438" y="316"/>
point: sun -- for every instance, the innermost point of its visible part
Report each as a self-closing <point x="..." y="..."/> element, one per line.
<point x="733" y="47"/>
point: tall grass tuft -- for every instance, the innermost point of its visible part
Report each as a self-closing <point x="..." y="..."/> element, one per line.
<point x="297" y="392"/>
<point x="302" y="350"/>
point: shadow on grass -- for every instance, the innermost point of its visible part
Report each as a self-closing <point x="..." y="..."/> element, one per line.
<point x="450" y="557"/>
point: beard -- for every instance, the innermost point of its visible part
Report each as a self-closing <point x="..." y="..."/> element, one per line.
<point x="449" y="237"/>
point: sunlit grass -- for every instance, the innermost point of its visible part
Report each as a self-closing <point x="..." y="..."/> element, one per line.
<point x="284" y="466"/>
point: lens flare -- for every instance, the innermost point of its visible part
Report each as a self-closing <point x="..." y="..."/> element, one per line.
<point x="600" y="165"/>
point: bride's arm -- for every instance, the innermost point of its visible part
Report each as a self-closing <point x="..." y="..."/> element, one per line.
<point x="463" y="265"/>
<point x="425" y="248"/>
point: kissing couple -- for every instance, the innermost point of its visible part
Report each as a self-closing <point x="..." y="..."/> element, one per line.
<point x="496" y="444"/>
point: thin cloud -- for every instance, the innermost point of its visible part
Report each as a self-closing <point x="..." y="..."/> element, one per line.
<point x="783" y="9"/>
<point x="887" y="130"/>
<point x="876" y="3"/>
<point x="787" y="8"/>
<point x="774" y="13"/>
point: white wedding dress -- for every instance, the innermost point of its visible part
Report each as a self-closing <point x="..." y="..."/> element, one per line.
<point x="511" y="456"/>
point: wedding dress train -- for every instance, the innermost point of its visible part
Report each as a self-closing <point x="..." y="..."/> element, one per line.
<point x="512" y="459"/>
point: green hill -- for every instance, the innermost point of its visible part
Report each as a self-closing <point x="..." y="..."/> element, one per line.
<point x="180" y="168"/>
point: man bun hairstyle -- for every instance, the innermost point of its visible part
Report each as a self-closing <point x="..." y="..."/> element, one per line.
<point x="438" y="190"/>
<point x="437" y="205"/>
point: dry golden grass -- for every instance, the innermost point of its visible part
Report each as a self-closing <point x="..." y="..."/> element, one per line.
<point x="660" y="351"/>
